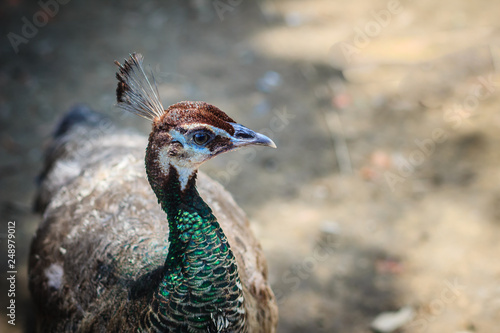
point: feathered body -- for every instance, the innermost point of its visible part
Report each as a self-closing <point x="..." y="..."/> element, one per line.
<point x="99" y="260"/>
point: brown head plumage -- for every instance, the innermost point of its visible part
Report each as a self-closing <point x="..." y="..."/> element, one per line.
<point x="196" y="112"/>
<point x="184" y="135"/>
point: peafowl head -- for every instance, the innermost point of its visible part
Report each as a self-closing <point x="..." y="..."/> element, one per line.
<point x="184" y="135"/>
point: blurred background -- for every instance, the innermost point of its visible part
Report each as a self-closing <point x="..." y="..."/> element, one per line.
<point x="383" y="197"/>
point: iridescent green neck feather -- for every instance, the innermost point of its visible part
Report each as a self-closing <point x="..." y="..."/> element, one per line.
<point x="200" y="290"/>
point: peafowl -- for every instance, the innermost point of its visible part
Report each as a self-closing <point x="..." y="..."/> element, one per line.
<point x="109" y="256"/>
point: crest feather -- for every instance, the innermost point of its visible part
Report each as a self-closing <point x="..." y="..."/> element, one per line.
<point x="135" y="92"/>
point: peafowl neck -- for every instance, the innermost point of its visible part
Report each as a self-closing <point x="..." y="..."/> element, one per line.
<point x="200" y="290"/>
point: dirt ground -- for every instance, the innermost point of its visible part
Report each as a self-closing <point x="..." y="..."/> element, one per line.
<point x="384" y="192"/>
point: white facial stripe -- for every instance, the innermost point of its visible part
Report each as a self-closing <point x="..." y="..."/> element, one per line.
<point x="164" y="160"/>
<point x="220" y="132"/>
<point x="216" y="130"/>
<point x="192" y="155"/>
<point x="188" y="127"/>
<point x="184" y="175"/>
<point x="185" y="172"/>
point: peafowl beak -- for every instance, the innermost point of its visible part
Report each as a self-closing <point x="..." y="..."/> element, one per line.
<point x="244" y="136"/>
